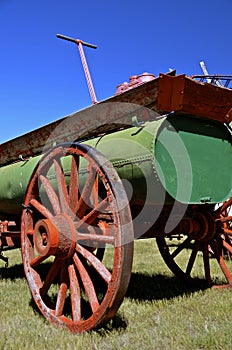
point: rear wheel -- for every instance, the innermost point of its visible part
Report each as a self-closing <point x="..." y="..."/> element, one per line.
<point x="199" y="259"/>
<point x="77" y="238"/>
<point x="224" y="222"/>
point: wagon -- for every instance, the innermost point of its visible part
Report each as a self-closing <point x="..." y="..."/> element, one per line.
<point x="152" y="161"/>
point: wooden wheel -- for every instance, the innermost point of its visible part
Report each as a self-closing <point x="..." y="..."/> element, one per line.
<point x="191" y="257"/>
<point x="75" y="208"/>
<point x="224" y="222"/>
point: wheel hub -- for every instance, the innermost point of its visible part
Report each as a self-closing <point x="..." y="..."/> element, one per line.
<point x="56" y="236"/>
<point x="201" y="226"/>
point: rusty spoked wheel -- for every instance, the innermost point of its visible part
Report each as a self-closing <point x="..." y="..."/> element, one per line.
<point x="197" y="258"/>
<point x="75" y="208"/>
<point x="224" y="223"/>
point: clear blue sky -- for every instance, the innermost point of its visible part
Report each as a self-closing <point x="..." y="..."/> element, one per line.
<point x="41" y="78"/>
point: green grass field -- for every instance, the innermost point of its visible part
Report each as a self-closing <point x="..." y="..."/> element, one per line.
<point x="158" y="312"/>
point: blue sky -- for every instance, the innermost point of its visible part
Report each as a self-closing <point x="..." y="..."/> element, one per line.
<point x="41" y="77"/>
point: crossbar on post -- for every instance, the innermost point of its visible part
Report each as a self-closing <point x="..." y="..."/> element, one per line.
<point x="80" y="45"/>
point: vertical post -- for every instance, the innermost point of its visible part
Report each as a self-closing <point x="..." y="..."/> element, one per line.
<point x="87" y="73"/>
<point x="80" y="45"/>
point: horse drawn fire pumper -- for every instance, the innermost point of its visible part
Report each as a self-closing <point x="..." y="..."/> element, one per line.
<point x="154" y="160"/>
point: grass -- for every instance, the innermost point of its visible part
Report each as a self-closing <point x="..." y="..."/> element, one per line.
<point x="158" y="312"/>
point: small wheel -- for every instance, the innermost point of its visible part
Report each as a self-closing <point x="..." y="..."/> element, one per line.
<point x="77" y="238"/>
<point x="189" y="257"/>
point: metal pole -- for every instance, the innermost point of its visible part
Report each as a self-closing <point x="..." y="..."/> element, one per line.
<point x="80" y="45"/>
<point x="87" y="74"/>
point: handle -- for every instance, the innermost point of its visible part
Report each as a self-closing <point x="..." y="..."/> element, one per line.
<point x="76" y="41"/>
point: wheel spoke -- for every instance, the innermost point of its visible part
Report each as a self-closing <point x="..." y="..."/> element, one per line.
<point x="41" y="209"/>
<point x="87" y="283"/>
<point x="226" y="231"/>
<point x="74" y="185"/>
<point x="51" y="276"/>
<point x="75" y="294"/>
<point x="93" y="214"/>
<point x="192" y="257"/>
<point x="227" y="246"/>
<point x="62" y="189"/>
<point x="38" y="260"/>
<point x="95" y="262"/>
<point x="225" y="218"/>
<point x="86" y="192"/>
<point x="94" y="194"/>
<point x="52" y="196"/>
<point x="95" y="238"/>
<point x="221" y="261"/>
<point x="225" y="270"/>
<point x="62" y="290"/>
<point x="205" y="251"/>
<point x="180" y="247"/>
<point x="225" y="205"/>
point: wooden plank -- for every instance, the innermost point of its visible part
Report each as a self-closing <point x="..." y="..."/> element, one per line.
<point x="97" y="119"/>
<point x="164" y="94"/>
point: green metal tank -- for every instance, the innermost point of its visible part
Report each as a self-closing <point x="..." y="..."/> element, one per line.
<point x="179" y="157"/>
<point x="189" y="156"/>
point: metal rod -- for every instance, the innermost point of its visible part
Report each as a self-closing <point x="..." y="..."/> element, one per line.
<point x="76" y="41"/>
<point x="205" y="72"/>
<point x="87" y="74"/>
<point x="80" y="45"/>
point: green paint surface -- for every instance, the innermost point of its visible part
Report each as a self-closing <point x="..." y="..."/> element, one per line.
<point x="194" y="159"/>
<point x="186" y="156"/>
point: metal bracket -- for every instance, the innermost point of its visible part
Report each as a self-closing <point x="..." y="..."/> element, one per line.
<point x="171" y="92"/>
<point x="27" y="207"/>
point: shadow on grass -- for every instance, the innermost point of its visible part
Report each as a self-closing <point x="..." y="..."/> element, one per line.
<point x="142" y="287"/>
<point x="12" y="272"/>
<point x="145" y="287"/>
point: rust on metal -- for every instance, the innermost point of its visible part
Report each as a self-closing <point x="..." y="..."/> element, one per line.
<point x="80" y="45"/>
<point x="171" y="92"/>
<point x="224" y="222"/>
<point x="201" y="231"/>
<point x="183" y="95"/>
<point x="58" y="240"/>
<point x="72" y="215"/>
